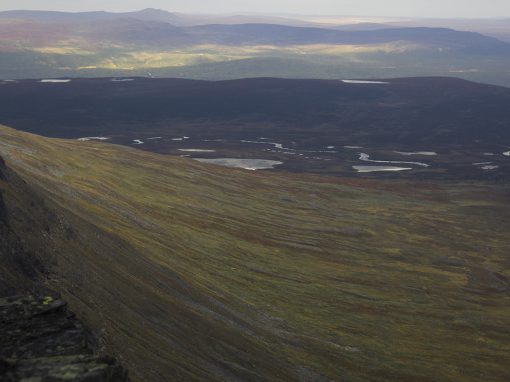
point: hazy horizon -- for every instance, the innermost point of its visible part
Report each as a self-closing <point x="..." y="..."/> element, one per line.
<point x="367" y="8"/>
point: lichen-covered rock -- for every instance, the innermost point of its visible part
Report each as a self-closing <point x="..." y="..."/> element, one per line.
<point x="2" y="166"/>
<point x="3" y="210"/>
<point x="41" y="341"/>
<point x="79" y="368"/>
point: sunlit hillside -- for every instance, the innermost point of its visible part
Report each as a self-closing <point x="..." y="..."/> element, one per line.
<point x="162" y="44"/>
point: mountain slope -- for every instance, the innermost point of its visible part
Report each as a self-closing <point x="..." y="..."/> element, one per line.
<point x="25" y="224"/>
<point x="198" y="272"/>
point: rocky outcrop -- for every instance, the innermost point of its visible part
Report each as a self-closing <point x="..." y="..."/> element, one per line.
<point x="2" y="166"/>
<point x="40" y="340"/>
<point x="21" y="211"/>
<point x="3" y="209"/>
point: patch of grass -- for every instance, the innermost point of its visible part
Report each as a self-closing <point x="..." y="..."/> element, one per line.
<point x="199" y="272"/>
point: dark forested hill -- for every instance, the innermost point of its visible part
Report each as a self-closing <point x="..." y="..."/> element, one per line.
<point x="463" y="126"/>
<point x="414" y="111"/>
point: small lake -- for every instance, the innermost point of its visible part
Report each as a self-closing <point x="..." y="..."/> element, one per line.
<point x="247" y="164"/>
<point x="92" y="139"/>
<point x="55" y="81"/>
<point x="363" y="82"/>
<point x="366" y="158"/>
<point x="366" y="169"/>
<point x="408" y="153"/>
<point x="486" y="166"/>
<point x="197" y="150"/>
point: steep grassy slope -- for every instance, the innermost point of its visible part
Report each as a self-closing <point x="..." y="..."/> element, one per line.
<point x="28" y="229"/>
<point x="199" y="272"/>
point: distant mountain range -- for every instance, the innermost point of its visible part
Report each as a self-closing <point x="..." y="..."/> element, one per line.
<point x="164" y="44"/>
<point x="285" y="35"/>
<point x="162" y="29"/>
<point x="148" y="14"/>
<point x="54" y="16"/>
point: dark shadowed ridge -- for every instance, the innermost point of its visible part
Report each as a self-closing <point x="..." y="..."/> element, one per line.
<point x="427" y="110"/>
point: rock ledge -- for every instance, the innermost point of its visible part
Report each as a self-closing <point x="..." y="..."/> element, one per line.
<point x="41" y="341"/>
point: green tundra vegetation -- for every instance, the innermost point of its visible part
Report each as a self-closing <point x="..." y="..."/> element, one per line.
<point x="203" y="273"/>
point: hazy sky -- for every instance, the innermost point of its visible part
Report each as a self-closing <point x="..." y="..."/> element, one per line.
<point x="436" y="8"/>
